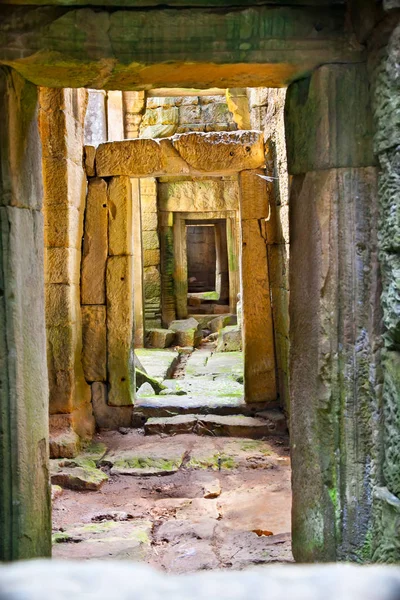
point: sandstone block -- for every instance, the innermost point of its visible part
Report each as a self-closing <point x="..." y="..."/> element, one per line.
<point x="221" y="322"/>
<point x="64" y="182"/>
<point x="189" y="114"/>
<point x="94" y="343"/>
<point x="159" y="338"/>
<point x="151" y="258"/>
<point x="120" y="216"/>
<point x="183" y="154"/>
<point x="338" y="132"/>
<point x="95" y="244"/>
<point x="62" y="265"/>
<point x="120" y="330"/>
<point x="89" y="154"/>
<point x="62" y="135"/>
<point x="149" y="221"/>
<point x="150" y="240"/>
<point x="151" y="282"/>
<point x="187" y="332"/>
<point x="229" y="339"/>
<point x="148" y="187"/>
<point x="63" y="227"/>
<point x="202" y="196"/>
<point x="391" y="399"/>
<point x="64" y="442"/>
<point x="62" y="304"/>
<point x="108" y="417"/>
<point x="256" y="194"/>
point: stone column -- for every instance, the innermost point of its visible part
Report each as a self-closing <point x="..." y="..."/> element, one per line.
<point x="119" y="290"/>
<point x="61" y="125"/>
<point x="180" y="266"/>
<point x="96" y="118"/>
<point x="134" y="106"/>
<point x="151" y="252"/>
<point x="115" y="116"/>
<point x="334" y="314"/>
<point x="258" y="338"/>
<point x="168" y="312"/>
<point x="25" y="522"/>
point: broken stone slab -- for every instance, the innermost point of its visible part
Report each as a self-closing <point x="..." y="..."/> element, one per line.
<point x="183" y="154"/>
<point x="77" y="474"/>
<point x="164" y="406"/>
<point x="142" y="463"/>
<point x="221" y="321"/>
<point x="187" y="332"/>
<point x="216" y="425"/>
<point x="56" y="491"/>
<point x="143" y="378"/>
<point x="63" y="440"/>
<point x="159" y="338"/>
<point x="276" y="421"/>
<point x="173" y="386"/>
<point x="158" y="364"/>
<point x="229" y="339"/>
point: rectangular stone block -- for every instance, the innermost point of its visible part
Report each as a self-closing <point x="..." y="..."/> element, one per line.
<point x="256" y="194"/>
<point x="258" y="345"/>
<point x="115" y="116"/>
<point x="95" y="244"/>
<point x="148" y="187"/>
<point x="278" y="257"/>
<point x="63" y="227"/>
<point x="149" y="221"/>
<point x="109" y="417"/>
<point x="391" y="408"/>
<point x="151" y="258"/>
<point x="199" y="195"/>
<point x="94" y="343"/>
<point x="120" y="332"/>
<point x="120" y="216"/>
<point x="150" y="240"/>
<point x="64" y="182"/>
<point x="62" y="304"/>
<point x="328" y="120"/>
<point x="62" y="265"/>
<point x="62" y="135"/>
<point x="89" y="155"/>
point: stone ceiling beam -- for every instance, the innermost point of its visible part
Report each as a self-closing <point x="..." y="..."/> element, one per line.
<point x="196" y="48"/>
<point x="217" y="153"/>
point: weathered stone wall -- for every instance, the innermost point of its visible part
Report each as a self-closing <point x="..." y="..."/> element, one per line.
<point x="384" y="56"/>
<point x="151" y="252"/>
<point x="61" y="120"/>
<point x="180" y="114"/>
<point x="266" y="107"/>
<point x="25" y="512"/>
<point x="334" y="313"/>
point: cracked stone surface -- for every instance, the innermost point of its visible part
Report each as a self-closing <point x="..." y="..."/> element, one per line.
<point x="226" y="506"/>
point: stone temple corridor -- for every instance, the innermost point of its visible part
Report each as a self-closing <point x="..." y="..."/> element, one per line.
<point x="199" y="298"/>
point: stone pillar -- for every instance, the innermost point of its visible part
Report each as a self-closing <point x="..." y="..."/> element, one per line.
<point x="25" y="522"/>
<point x="232" y="242"/>
<point x="138" y="300"/>
<point x="62" y="115"/>
<point x="258" y="338"/>
<point x="180" y="267"/>
<point x="168" y="312"/>
<point x="334" y="314"/>
<point x="222" y="270"/>
<point x="384" y="77"/>
<point x="119" y="291"/>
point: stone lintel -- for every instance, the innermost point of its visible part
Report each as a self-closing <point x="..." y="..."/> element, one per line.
<point x="263" y="46"/>
<point x="220" y="153"/>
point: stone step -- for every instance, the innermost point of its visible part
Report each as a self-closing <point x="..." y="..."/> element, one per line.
<point x="174" y="405"/>
<point x="216" y="425"/>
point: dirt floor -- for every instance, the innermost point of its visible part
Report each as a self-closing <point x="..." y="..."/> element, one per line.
<point x="211" y="503"/>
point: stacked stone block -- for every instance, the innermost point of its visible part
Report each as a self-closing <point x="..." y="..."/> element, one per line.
<point x="61" y="121"/>
<point x="266" y="106"/>
<point x="151" y="253"/>
<point x="166" y="116"/>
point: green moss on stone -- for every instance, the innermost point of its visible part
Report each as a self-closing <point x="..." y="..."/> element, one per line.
<point x="213" y="462"/>
<point x="147" y="462"/>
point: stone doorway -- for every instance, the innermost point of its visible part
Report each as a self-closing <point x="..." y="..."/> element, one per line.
<point x="337" y="370"/>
